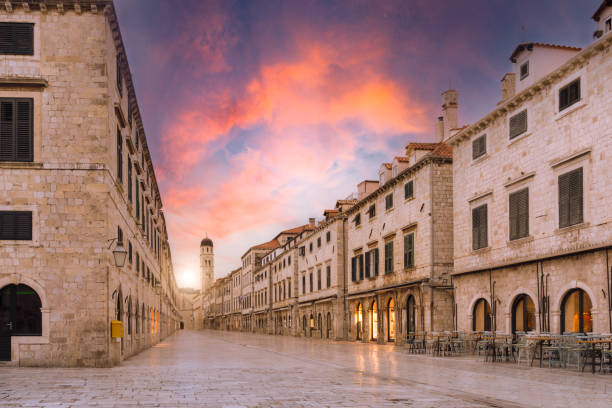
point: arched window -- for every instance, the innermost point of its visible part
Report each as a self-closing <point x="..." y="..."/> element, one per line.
<point x="523" y="314"/>
<point x="481" y="317"/>
<point x="118" y="307"/>
<point x="359" y="320"/>
<point x="576" y="312"/>
<point x="136" y="318"/>
<point x="329" y="325"/>
<point x="320" y="324"/>
<point x="129" y="316"/>
<point x="20" y="313"/>
<point x="410" y="315"/>
<point x="391" y="320"/>
<point x="373" y="320"/>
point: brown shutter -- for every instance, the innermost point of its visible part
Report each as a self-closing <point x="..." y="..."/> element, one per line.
<point x="16" y="225"/>
<point x="523" y="213"/>
<point x="475" y="228"/>
<point x="367" y="264"/>
<point x="564" y="201"/>
<point x="353" y="269"/>
<point x="17" y="38"/>
<point x="575" y="197"/>
<point x="483" y="235"/>
<point x="7" y="146"/>
<point x="23" y="130"/>
<point x="518" y="124"/>
<point x="376" y="261"/>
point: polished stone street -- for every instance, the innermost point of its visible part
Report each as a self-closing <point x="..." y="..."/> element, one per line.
<point x="221" y="369"/>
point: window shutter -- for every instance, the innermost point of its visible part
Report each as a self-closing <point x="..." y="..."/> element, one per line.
<point x="409" y="189"/>
<point x="6" y="130"/>
<point x="483" y="238"/>
<point x="353" y="269"/>
<point x="479" y="146"/>
<point x="409" y="250"/>
<point x="367" y="264"/>
<point x="475" y="228"/>
<point x="23" y="130"/>
<point x="523" y="213"/>
<point x="564" y="200"/>
<point x="16" y="225"/>
<point x="376" y="261"/>
<point x="361" y="267"/>
<point x="518" y="124"/>
<point x="17" y="38"/>
<point x="575" y="196"/>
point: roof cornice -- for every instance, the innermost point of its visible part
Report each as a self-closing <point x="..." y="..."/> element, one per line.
<point x="555" y="76"/>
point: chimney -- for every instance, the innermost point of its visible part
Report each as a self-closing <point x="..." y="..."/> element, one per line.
<point x="311" y="222"/>
<point x="508" y="86"/>
<point x="440" y="129"/>
<point x="449" y="110"/>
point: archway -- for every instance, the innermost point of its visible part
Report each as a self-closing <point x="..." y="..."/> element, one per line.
<point x="391" y="320"/>
<point x="576" y="312"/>
<point x="410" y="315"/>
<point x="481" y="317"/>
<point x="523" y="314"/>
<point x="373" y="320"/>
<point x="359" y="321"/>
<point x="20" y="315"/>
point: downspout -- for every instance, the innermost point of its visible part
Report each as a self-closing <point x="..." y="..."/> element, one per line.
<point x="345" y="280"/>
<point x="106" y="311"/>
<point x="609" y="300"/>
<point x="539" y="297"/>
<point x="432" y="233"/>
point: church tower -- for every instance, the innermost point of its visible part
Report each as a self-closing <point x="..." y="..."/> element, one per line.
<point x="207" y="263"/>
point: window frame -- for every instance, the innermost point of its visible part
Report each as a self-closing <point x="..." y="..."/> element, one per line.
<point x="479" y="146"/>
<point x="524" y="131"/>
<point x="563" y="105"/>
<point x="526" y="74"/>
<point x="13" y="51"/>
<point x="409" y="190"/>
<point x="15" y="140"/>
<point x="515" y="226"/>
<point x="389" y="202"/>
<point x="485" y="244"/>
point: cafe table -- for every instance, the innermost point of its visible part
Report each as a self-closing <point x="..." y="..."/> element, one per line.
<point x="593" y="342"/>
<point x="540" y="341"/>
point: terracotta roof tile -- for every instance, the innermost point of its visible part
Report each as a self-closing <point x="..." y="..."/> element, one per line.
<point x="271" y="245"/>
<point x="402" y="159"/>
<point x="387" y="165"/>
<point x="442" y="150"/>
<point x="519" y="48"/>
<point x="421" y="146"/>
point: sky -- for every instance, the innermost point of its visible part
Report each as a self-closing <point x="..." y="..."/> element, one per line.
<point x="260" y="114"/>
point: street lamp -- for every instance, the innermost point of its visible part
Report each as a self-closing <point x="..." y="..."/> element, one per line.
<point x="119" y="253"/>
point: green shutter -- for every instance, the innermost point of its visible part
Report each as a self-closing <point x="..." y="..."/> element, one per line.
<point x="367" y="264"/>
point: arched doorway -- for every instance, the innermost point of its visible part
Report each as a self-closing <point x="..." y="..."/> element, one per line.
<point x="391" y="320"/>
<point x="374" y="320"/>
<point x="481" y="317"/>
<point x="311" y="325"/>
<point x="523" y="314"/>
<point x="304" y="324"/>
<point x="410" y="315"/>
<point x="20" y="315"/>
<point x="576" y="312"/>
<point x="320" y="325"/>
<point x="359" y="321"/>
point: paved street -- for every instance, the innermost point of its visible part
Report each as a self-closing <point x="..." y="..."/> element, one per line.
<point x="220" y="369"/>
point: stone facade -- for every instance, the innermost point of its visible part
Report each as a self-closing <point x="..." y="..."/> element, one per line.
<point x="78" y="196"/>
<point x="551" y="265"/>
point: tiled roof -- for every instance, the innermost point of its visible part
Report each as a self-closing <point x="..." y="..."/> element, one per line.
<point x="604" y="4"/>
<point x="421" y="146"/>
<point x="387" y="165"/>
<point x="402" y="159"/>
<point x="297" y="230"/>
<point x="346" y="202"/>
<point x="442" y="150"/>
<point x="328" y="213"/>
<point x="526" y="45"/>
<point x="268" y="245"/>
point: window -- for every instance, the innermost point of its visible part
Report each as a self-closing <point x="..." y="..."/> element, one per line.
<point x="481" y="316"/>
<point x="119" y="79"/>
<point x="289" y="260"/>
<point x="479" y="227"/>
<point x="328" y="273"/>
<point x="523" y="314"/>
<point x="319" y="279"/>
<point x="328" y="236"/>
<point x="388" y="257"/>
<point x="577" y="312"/>
<point x="310" y="277"/>
<point x="569" y="94"/>
<point x="302" y="251"/>
<point x="479" y="147"/>
<point x="389" y="201"/>
<point x="372" y="211"/>
<point x="409" y="250"/>
<point x="409" y="190"/>
<point x="319" y="242"/>
<point x="137" y="263"/>
<point x="17" y="38"/>
<point x="16" y="225"/>
<point x="608" y="25"/>
<point x="360" y="265"/>
<point x="119" y="156"/>
<point x="130" y="252"/>
<point x="129" y="177"/>
<point x="357" y="220"/>
<point x="519" y="214"/>
<point x="16" y="130"/>
<point x="310" y="247"/>
<point x="570" y="198"/>
<point x="518" y="124"/>
<point x="368" y="266"/>
<point x="524" y="70"/>
<point x="353" y="269"/>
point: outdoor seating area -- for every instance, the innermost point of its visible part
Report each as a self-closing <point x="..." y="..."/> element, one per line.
<point x="574" y="351"/>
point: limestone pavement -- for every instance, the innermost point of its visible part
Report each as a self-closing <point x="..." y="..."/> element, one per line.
<point x="230" y="369"/>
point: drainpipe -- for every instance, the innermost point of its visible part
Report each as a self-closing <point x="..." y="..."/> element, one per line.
<point x="432" y="259"/>
<point x="345" y="280"/>
<point x="539" y="297"/>
<point x="609" y="300"/>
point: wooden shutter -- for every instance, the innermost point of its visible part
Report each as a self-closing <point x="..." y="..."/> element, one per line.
<point x="570" y="198"/>
<point x="519" y="214"/>
<point x="16" y="130"/>
<point x="360" y="258"/>
<point x="376" y="261"/>
<point x="475" y="228"/>
<point x="367" y="264"/>
<point x="518" y="124"/>
<point x="482" y="236"/>
<point x="409" y="250"/>
<point x="479" y="146"/>
<point x="479" y="227"/>
<point x="7" y="108"/>
<point x="353" y="269"/>
<point x="17" y="38"/>
<point x="409" y="189"/>
<point x="16" y="225"/>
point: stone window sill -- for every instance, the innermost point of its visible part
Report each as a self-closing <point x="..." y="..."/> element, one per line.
<point x="480" y="159"/>
<point x="480" y="251"/>
<point x="519" y="137"/>
<point x="570" y="109"/>
<point x="20" y="165"/>
<point x="573" y="227"/>
<point x="520" y="241"/>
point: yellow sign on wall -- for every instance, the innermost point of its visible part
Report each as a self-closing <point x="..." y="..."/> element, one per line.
<point x="116" y="328"/>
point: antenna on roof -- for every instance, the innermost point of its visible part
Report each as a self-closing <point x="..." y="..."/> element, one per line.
<point x="523" y="33"/>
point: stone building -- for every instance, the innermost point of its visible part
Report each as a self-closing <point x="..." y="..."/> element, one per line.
<point x="532" y="213"/>
<point x="189" y="305"/>
<point x="76" y="183"/>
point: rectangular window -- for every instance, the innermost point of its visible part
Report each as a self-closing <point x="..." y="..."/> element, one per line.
<point x="129" y="177"/>
<point x="518" y="124"/>
<point x="137" y="202"/>
<point x="372" y="211"/>
<point x="525" y="70"/>
<point x="479" y="147"/>
<point x="16" y="225"/>
<point x="389" y="201"/>
<point x="289" y="287"/>
<point x="303" y="284"/>
<point x="368" y="262"/>
<point x="409" y="250"/>
<point x="328" y="273"/>
<point x="17" y="38"/>
<point x="353" y="269"/>
<point x="302" y="251"/>
<point x="119" y="156"/>
<point x="357" y="220"/>
<point x="328" y="236"/>
<point x="319" y="279"/>
<point x="479" y="227"/>
<point x="310" y="247"/>
<point x="289" y="260"/>
<point x="16" y="129"/>
<point x="409" y="190"/>
<point x="519" y="214"/>
<point x="119" y="79"/>
<point x="569" y="94"/>
<point x="137" y="263"/>
<point x="375" y="261"/>
<point x="319" y="242"/>
<point x="360" y="265"/>
<point x="310" y="277"/>
<point x="570" y="198"/>
<point x="130" y="252"/>
<point x="388" y="257"/>
<point x="608" y="25"/>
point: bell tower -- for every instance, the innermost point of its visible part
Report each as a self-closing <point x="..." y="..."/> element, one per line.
<point x="207" y="264"/>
